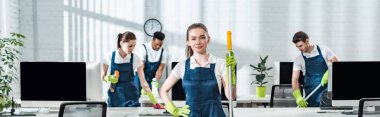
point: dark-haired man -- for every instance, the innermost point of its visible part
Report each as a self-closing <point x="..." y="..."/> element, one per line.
<point x="154" y="58"/>
<point x="313" y="61"/>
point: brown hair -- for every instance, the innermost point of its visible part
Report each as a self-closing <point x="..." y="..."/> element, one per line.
<point x="125" y="37"/>
<point x="300" y="36"/>
<point x="189" y="51"/>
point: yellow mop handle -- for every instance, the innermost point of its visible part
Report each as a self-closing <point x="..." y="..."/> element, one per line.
<point x="229" y="49"/>
<point x="229" y="41"/>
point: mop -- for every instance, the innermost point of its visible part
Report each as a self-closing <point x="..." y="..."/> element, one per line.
<point x="312" y="92"/>
<point x="229" y="51"/>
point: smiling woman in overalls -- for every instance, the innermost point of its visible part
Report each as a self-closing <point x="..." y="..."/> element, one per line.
<point x="123" y="92"/>
<point x="313" y="62"/>
<point x="154" y="58"/>
<point x="202" y="74"/>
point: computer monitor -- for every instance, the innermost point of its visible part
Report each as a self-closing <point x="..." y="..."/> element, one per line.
<point x="286" y="72"/>
<point x="353" y="80"/>
<point x="48" y="84"/>
<point x="178" y="94"/>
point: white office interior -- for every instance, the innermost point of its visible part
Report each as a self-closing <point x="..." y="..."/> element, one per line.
<point x="86" y="31"/>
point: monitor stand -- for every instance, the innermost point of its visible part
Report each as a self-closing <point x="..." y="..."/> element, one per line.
<point x="354" y="111"/>
<point x="48" y="110"/>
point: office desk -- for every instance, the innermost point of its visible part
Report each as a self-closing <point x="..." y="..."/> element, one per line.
<point x="238" y="112"/>
<point x="287" y="112"/>
<point x="118" y="112"/>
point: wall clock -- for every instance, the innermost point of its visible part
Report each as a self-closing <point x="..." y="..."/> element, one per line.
<point x="151" y="26"/>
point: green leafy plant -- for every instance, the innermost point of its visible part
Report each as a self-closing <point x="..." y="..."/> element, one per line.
<point x="261" y="70"/>
<point x="9" y="50"/>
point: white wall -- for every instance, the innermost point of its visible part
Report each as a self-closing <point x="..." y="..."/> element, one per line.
<point x="85" y="30"/>
<point x="9" y="18"/>
<point x="42" y="24"/>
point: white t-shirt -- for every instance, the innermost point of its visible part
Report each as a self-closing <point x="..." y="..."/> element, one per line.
<point x="299" y="62"/>
<point x="220" y="68"/>
<point x="118" y="59"/>
<point x="153" y="56"/>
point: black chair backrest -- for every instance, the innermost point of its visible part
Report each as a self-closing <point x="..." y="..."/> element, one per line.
<point x="83" y="109"/>
<point x="362" y="104"/>
<point x="282" y="96"/>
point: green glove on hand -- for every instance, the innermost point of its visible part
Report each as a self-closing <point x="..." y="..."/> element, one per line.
<point x="143" y="92"/>
<point x="152" y="98"/>
<point x="154" y="101"/>
<point x="171" y="108"/>
<point x="301" y="102"/>
<point x="230" y="61"/>
<point x="325" y="78"/>
<point x="111" y="78"/>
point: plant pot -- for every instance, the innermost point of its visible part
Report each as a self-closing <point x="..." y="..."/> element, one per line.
<point x="260" y="91"/>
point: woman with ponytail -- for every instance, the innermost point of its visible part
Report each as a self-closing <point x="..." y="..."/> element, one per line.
<point x="119" y="67"/>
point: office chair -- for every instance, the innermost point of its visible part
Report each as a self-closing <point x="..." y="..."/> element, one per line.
<point x="364" y="103"/>
<point x="83" y="109"/>
<point x="282" y="96"/>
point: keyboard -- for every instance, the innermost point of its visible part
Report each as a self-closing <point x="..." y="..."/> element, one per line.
<point x="337" y="108"/>
<point x="156" y="114"/>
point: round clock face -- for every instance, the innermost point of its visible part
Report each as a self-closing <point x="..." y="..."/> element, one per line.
<point x="151" y="26"/>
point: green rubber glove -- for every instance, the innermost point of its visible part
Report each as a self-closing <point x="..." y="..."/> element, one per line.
<point x="143" y="92"/>
<point x="301" y="102"/>
<point x="152" y="98"/>
<point x="230" y="61"/>
<point x="111" y="78"/>
<point x="325" y="78"/>
<point x="171" y="108"/>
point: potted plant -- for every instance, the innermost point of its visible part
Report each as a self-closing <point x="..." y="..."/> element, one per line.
<point x="261" y="74"/>
<point x="9" y="51"/>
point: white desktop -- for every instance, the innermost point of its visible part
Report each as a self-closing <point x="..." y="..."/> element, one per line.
<point x="94" y="90"/>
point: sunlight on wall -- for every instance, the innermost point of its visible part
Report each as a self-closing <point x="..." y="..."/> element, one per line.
<point x="91" y="26"/>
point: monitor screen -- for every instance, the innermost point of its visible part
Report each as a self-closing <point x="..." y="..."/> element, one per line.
<point x="351" y="81"/>
<point x="178" y="93"/>
<point x="53" y="81"/>
<point x="177" y="90"/>
<point x="286" y="72"/>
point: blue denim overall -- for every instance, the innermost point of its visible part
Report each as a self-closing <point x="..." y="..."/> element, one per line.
<point x="315" y="68"/>
<point x="125" y="94"/>
<point x="202" y="92"/>
<point x="150" y="70"/>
